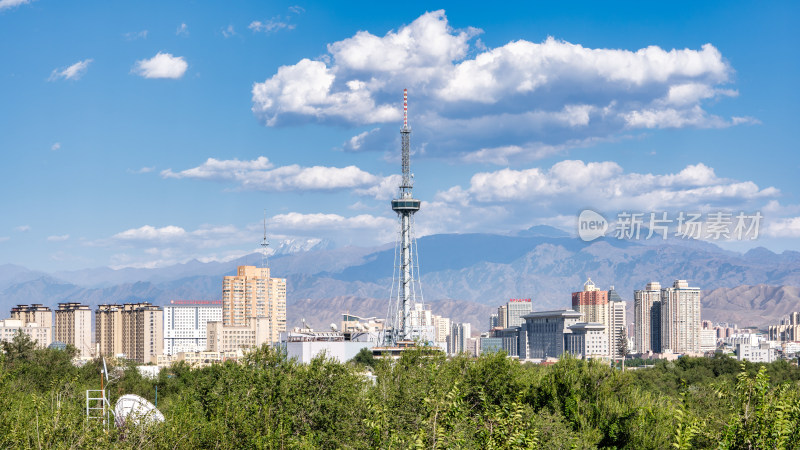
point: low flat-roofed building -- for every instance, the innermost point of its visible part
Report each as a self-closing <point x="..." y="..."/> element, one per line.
<point x="545" y="332"/>
<point x="41" y="335"/>
<point x="305" y="345"/>
<point x="587" y="340"/>
<point x="199" y="359"/>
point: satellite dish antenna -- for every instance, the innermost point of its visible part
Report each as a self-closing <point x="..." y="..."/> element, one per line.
<point x="136" y="410"/>
<point x="334" y="327"/>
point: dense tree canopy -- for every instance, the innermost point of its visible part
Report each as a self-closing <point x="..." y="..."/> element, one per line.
<point x="419" y="401"/>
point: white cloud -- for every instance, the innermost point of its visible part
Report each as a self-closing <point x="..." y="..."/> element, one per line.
<point x="384" y="189"/>
<point x="183" y="30"/>
<point x="23" y="228"/>
<point x="259" y="174"/>
<point x="6" y="4"/>
<point x="784" y="227"/>
<point x="229" y="31"/>
<point x="73" y="72"/>
<point x="134" y="35"/>
<point x="56" y="146"/>
<point x="214" y="169"/>
<point x="58" y="238"/>
<point x="518" y="101"/>
<point x="163" y="65"/>
<point x="270" y="26"/>
<point x="356" y="142"/>
<point x="4" y="238"/>
<point x="150" y="233"/>
<point x="571" y="185"/>
<point x="298" y="221"/>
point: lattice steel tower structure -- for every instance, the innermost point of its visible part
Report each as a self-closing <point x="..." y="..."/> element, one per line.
<point x="405" y="205"/>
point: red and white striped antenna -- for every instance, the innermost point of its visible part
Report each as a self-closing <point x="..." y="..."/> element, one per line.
<point x="405" y="108"/>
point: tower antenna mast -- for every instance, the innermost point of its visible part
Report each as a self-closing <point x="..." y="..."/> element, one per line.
<point x="264" y="243"/>
<point x="405" y="206"/>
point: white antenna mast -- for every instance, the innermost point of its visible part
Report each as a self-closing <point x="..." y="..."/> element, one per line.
<point x="264" y="243"/>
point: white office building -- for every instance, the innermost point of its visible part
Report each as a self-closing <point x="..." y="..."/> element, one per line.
<point x="185" y="324"/>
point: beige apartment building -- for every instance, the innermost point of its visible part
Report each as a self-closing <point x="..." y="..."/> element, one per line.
<point x="680" y="318"/>
<point x="253" y="293"/>
<point x="74" y="327"/>
<point x="134" y="330"/>
<point x="108" y="329"/>
<point x="34" y="313"/>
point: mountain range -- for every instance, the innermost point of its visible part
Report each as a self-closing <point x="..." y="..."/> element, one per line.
<point x="464" y="276"/>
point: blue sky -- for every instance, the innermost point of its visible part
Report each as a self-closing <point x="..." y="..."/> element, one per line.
<point x="150" y="133"/>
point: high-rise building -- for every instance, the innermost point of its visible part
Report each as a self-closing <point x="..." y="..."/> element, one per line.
<point x="604" y="307"/>
<point x="74" y="327"/>
<point x="494" y="321"/>
<point x="132" y="330"/>
<point x="592" y="302"/>
<point x="515" y="309"/>
<point x="460" y="334"/>
<point x="615" y="329"/>
<point x="680" y="318"/>
<point x="185" y="324"/>
<point x="108" y="329"/>
<point x="502" y="316"/>
<point x="647" y="318"/>
<point x="253" y="293"/>
<point x="142" y="331"/>
<point x="442" y="325"/>
<point x="34" y="313"/>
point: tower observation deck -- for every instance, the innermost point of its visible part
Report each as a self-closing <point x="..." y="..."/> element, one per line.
<point x="405" y="205"/>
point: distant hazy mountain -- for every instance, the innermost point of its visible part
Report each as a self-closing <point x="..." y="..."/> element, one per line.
<point x="759" y="305"/>
<point x="465" y="275"/>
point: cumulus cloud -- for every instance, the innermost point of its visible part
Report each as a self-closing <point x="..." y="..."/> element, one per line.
<point x="260" y="174"/>
<point x="150" y="233"/>
<point x="784" y="228"/>
<point x="606" y="184"/>
<point x="23" y="228"/>
<point x="56" y="146"/>
<point x="183" y="30"/>
<point x="163" y="65"/>
<point x="7" y="4"/>
<point x="73" y="72"/>
<point x="515" y="101"/>
<point x="58" y="238"/>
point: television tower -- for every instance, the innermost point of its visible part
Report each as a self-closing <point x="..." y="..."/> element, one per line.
<point x="405" y="205"/>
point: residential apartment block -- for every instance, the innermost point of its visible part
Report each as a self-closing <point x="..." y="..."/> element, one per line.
<point x="131" y="330"/>
<point x="74" y="327"/>
<point x="253" y="293"/>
